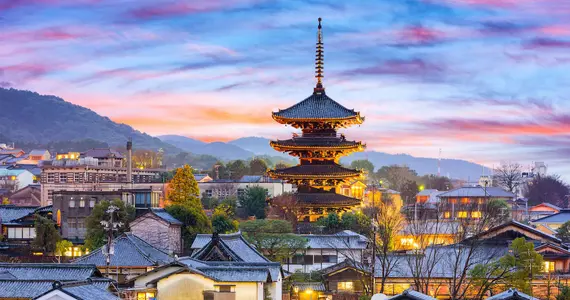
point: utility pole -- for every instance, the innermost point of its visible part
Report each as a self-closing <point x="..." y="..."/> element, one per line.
<point x="109" y="227"/>
<point x="375" y="215"/>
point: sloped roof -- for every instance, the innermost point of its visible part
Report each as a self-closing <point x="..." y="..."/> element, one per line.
<point x="25" y="271"/>
<point x="521" y="226"/>
<point x="12" y="172"/>
<point x="38" y="152"/>
<point x="81" y="290"/>
<point x="333" y="170"/>
<point x="234" y="243"/>
<point x="561" y="217"/>
<point x="250" y="178"/>
<point x="548" y="205"/>
<point x="164" y="215"/>
<point x="130" y="250"/>
<point x="343" y="240"/>
<point x="512" y="294"/>
<point x="8" y="213"/>
<point x="314" y="286"/>
<point x="477" y="191"/>
<point x="102" y="153"/>
<point x="322" y="199"/>
<point x="411" y="295"/>
<point x="317" y="106"/>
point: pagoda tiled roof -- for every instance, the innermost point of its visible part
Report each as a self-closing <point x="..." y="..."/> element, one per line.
<point x="325" y="199"/>
<point x="318" y="106"/>
<point x="325" y="171"/>
<point x="316" y="142"/>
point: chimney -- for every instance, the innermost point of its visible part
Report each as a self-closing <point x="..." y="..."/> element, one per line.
<point x="130" y="161"/>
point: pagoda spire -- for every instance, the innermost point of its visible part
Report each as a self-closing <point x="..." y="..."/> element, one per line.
<point x="319" y="61"/>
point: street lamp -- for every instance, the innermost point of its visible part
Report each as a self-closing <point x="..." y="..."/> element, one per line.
<point x="109" y="227"/>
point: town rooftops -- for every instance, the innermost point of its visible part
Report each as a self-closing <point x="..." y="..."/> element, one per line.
<point x="512" y="294"/>
<point x="22" y="289"/>
<point x="9" y="213"/>
<point x="519" y="227"/>
<point x="61" y="272"/>
<point x="232" y="246"/>
<point x="477" y="191"/>
<point x="84" y="290"/>
<point x="410" y="294"/>
<point x="102" y="153"/>
<point x="129" y="251"/>
<point x="546" y="204"/>
<point x="343" y="240"/>
<point x="558" y="218"/>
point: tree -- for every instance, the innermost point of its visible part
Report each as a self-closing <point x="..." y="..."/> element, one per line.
<point x="61" y="247"/>
<point x="524" y="263"/>
<point x="254" y="201"/>
<point x="409" y="191"/>
<point x="440" y="183"/>
<point x="193" y="218"/>
<point x="285" y="207"/>
<point x="274" y="238"/>
<point x="396" y="176"/>
<point x="237" y="169"/>
<point x="563" y="232"/>
<point x="146" y="159"/>
<point x="389" y="223"/>
<point x="47" y="234"/>
<point x="183" y="186"/>
<point x="550" y="189"/>
<point x="257" y="166"/>
<point x="508" y="176"/>
<point x="95" y="235"/>
<point x="363" y="164"/>
<point x="222" y="223"/>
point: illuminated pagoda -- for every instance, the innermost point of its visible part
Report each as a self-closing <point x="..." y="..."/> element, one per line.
<point x="319" y="149"/>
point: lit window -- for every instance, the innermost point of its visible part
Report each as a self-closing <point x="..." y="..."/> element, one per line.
<point x="462" y="214"/>
<point x="465" y="201"/>
<point x="347" y="286"/>
<point x="92" y="202"/>
<point x="549" y="266"/>
<point x="475" y="214"/>
<point x="145" y="296"/>
<point x="71" y="203"/>
<point x="81" y="203"/>
<point x="407" y="241"/>
<point x="447" y="215"/>
<point x="225" y="288"/>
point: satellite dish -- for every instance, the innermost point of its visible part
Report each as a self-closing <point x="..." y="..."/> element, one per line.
<point x="379" y="297"/>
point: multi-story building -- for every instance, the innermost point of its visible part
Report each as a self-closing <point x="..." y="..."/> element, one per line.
<point x="71" y="208"/>
<point x="85" y="175"/>
<point x="106" y="157"/>
<point x="15" y="179"/>
<point x="470" y="201"/>
<point x="223" y="188"/>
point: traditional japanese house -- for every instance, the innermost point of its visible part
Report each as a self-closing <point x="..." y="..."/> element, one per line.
<point x="319" y="148"/>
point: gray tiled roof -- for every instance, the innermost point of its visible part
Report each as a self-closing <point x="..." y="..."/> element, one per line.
<point x="49" y="271"/>
<point x="316" y="106"/>
<point x="273" y="268"/>
<point x="9" y="213"/>
<point x="235" y="242"/>
<point x="85" y="291"/>
<point x="314" y="286"/>
<point x="343" y="240"/>
<point x="411" y="295"/>
<point x="130" y="250"/>
<point x="250" y="178"/>
<point x="512" y="294"/>
<point x="561" y="217"/>
<point x="237" y="274"/>
<point x="161" y="213"/>
<point x="101" y="153"/>
<point x="477" y="191"/>
<point x="23" y="288"/>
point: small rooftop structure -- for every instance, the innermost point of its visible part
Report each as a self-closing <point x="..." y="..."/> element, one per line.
<point x="477" y="191"/>
<point x="342" y="240"/>
<point x="225" y="247"/>
<point x="512" y="294"/>
<point x="102" y="153"/>
<point x="9" y="213"/>
<point x="60" y="272"/>
<point x="85" y="290"/>
<point x="558" y="218"/>
<point x="410" y="294"/>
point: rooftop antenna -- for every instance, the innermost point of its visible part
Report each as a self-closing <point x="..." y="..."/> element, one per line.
<point x="319" y="61"/>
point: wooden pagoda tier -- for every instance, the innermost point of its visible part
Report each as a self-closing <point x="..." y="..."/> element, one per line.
<point x="319" y="148"/>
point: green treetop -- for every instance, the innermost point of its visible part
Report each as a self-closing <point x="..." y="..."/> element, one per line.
<point x="95" y="236"/>
<point x="47" y="234"/>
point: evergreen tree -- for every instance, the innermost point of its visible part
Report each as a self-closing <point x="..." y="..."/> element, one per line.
<point x="563" y="232"/>
<point x="193" y="218"/>
<point x="237" y="169"/>
<point x="183" y="186"/>
<point x="95" y="236"/>
<point x="47" y="235"/>
<point x="254" y="201"/>
<point x="257" y="166"/>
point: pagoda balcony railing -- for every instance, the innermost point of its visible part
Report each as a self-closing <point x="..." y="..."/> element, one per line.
<point x="332" y="136"/>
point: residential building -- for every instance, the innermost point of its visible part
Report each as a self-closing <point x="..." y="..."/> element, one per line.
<point x="72" y="207"/>
<point x="470" y="201"/>
<point x="15" y="179"/>
<point x="542" y="210"/>
<point x="223" y="188"/>
<point x="15" y="152"/>
<point x="426" y="233"/>
<point x="27" y="196"/>
<point x="84" y="290"/>
<point x="84" y="175"/>
<point x="428" y="196"/>
<point x="17" y="227"/>
<point x="203" y="177"/>
<point x="410" y="294"/>
<point x="36" y="156"/>
<point x="223" y="269"/>
<point x="355" y="189"/>
<point x="308" y="291"/>
<point x="553" y="221"/>
<point x="30" y="281"/>
<point x="512" y="294"/>
<point x="346" y="277"/>
<point x="68" y="156"/>
<point x="160" y="229"/>
<point x="380" y="194"/>
<point x="132" y="257"/>
<point x="325" y="250"/>
<point x="106" y="157"/>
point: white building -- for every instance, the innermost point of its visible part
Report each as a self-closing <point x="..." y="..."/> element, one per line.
<point x="325" y="250"/>
<point x="15" y="178"/>
<point x="223" y="188"/>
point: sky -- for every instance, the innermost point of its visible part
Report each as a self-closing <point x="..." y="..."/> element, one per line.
<point x="482" y="80"/>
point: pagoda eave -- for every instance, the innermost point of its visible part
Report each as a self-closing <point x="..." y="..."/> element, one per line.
<point x="348" y="148"/>
<point x="286" y="176"/>
<point x="335" y="122"/>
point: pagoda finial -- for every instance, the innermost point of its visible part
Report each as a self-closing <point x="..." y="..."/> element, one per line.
<point x="319" y="60"/>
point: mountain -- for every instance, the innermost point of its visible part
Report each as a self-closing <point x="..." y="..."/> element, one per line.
<point x="182" y="142"/>
<point x="257" y="145"/>
<point x="29" y="117"/>
<point x="220" y="150"/>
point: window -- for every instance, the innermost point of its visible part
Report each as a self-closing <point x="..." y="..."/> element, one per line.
<point x="549" y="266"/>
<point x="465" y="201"/>
<point x="25" y="233"/>
<point x="393" y="289"/>
<point x="146" y="296"/>
<point x="80" y="222"/>
<point x="92" y="202"/>
<point x="225" y="288"/>
<point x="317" y="259"/>
<point x="330" y="259"/>
<point x="297" y="259"/>
<point x="71" y="203"/>
<point x="476" y="214"/>
<point x="347" y="286"/>
<point x="209" y="193"/>
<point x="462" y="214"/>
<point x="308" y="260"/>
<point x="71" y="222"/>
<point x="447" y="215"/>
<point x="81" y="203"/>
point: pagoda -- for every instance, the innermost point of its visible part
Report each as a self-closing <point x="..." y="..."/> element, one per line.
<point x="319" y="148"/>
